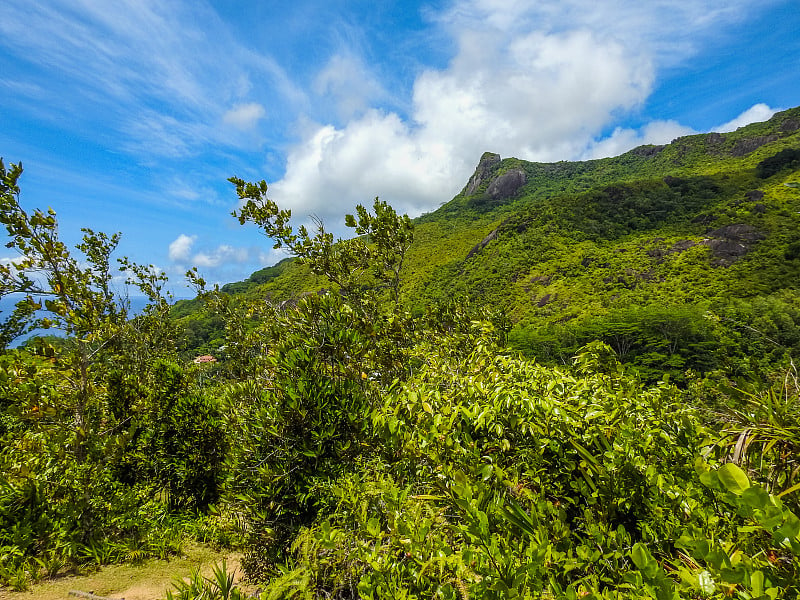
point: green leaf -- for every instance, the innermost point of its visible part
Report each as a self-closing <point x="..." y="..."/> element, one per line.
<point x="373" y="527"/>
<point x="791" y="528"/>
<point x="735" y="575"/>
<point x="755" y="497"/>
<point x="709" y="479"/>
<point x="585" y="454"/>
<point x="516" y="515"/>
<point x="733" y="478"/>
<point x="794" y="488"/>
<point x="644" y="561"/>
<point x="757" y="583"/>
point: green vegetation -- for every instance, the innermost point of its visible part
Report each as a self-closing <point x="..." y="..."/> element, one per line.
<point x="581" y="390"/>
<point x="697" y="227"/>
<point x="97" y="450"/>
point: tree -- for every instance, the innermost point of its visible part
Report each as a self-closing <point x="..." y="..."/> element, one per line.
<point x="313" y="368"/>
<point x="379" y="251"/>
<point x="77" y="300"/>
<point x="66" y="431"/>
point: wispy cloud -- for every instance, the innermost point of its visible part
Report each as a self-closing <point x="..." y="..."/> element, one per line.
<point x="244" y="116"/>
<point x="144" y="68"/>
<point x="349" y="84"/>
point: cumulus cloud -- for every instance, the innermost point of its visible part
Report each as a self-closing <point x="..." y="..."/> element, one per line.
<point x="181" y="248"/>
<point x="663" y="132"/>
<point x="225" y="263"/>
<point x="335" y="169"/>
<point x="536" y="96"/>
<point x="552" y="94"/>
<point x="181" y="251"/>
<point x="754" y="114"/>
<point x="539" y="81"/>
<point x="221" y="255"/>
<point x="623" y="139"/>
<point x="244" y="116"/>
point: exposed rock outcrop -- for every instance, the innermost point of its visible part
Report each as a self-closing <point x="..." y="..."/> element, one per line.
<point x="748" y="145"/>
<point x="647" y="151"/>
<point x="681" y="246"/>
<point x="507" y="184"/>
<point x="754" y="195"/>
<point x="660" y="252"/>
<point x="728" y="244"/>
<point x="482" y="173"/>
<point x="483" y="243"/>
<point x="544" y="300"/>
<point x="790" y="125"/>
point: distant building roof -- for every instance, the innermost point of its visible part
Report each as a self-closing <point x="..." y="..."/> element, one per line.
<point x="206" y="358"/>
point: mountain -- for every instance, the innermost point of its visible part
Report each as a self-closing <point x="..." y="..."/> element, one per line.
<point x="660" y="237"/>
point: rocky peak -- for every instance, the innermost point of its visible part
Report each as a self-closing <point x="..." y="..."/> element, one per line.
<point x="485" y="167"/>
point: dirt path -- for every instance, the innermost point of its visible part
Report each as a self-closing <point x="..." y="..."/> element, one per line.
<point x="149" y="581"/>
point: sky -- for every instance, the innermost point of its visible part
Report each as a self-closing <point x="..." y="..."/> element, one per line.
<point x="130" y="115"/>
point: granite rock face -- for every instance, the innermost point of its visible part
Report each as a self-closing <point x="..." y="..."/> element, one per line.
<point x="507" y="184"/>
<point x="483" y="243"/>
<point x="748" y="145"/>
<point x="483" y="172"/>
<point x="728" y="244"/>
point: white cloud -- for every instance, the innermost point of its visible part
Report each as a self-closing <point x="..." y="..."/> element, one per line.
<point x="663" y="132"/>
<point x="180" y="249"/>
<point x="170" y="77"/>
<point x="376" y="155"/>
<point x="222" y="255"/>
<point x="12" y="264"/>
<point x="272" y="256"/>
<point x="224" y="263"/>
<point x="538" y="81"/>
<point x="667" y="30"/>
<point x="349" y="84"/>
<point x="624" y="139"/>
<point x="537" y="95"/>
<point x="754" y="114"/>
<point x="244" y="116"/>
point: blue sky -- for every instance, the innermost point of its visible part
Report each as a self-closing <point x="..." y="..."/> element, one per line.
<point x="129" y="115"/>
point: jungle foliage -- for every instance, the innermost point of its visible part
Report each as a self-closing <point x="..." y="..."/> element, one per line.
<point x="698" y="227"/>
<point x="391" y="433"/>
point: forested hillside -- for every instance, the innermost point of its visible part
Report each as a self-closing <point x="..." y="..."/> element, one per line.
<point x="672" y="254"/>
<point x="571" y="381"/>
